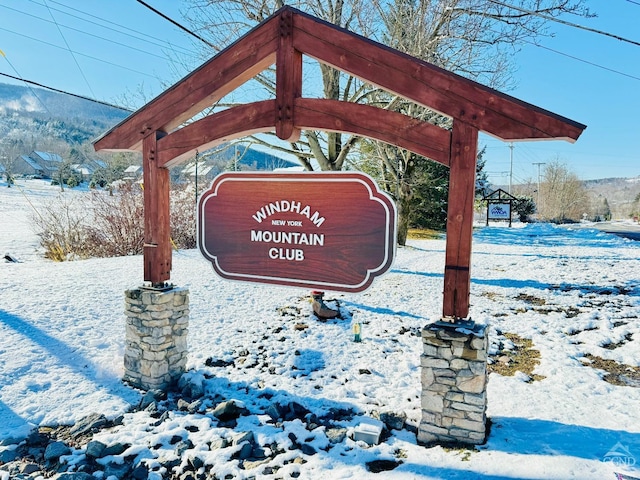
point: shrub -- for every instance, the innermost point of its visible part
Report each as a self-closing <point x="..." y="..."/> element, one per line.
<point x="109" y="223"/>
<point x="60" y="224"/>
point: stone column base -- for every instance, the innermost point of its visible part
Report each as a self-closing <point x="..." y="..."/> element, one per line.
<point x="155" y="353"/>
<point x="454" y="379"/>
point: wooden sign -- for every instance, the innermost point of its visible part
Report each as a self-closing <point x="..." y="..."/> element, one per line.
<point x="326" y="231"/>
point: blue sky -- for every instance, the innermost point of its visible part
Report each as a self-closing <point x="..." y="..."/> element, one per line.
<point x="607" y="102"/>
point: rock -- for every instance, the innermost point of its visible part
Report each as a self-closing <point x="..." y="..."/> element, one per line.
<point x="251" y="464"/>
<point x="218" y="444"/>
<point x="196" y="463"/>
<point x="238" y="438"/>
<point x="7" y="456"/>
<point x="307" y="449"/>
<point x="393" y="420"/>
<point x="140" y="473"/>
<point x="154" y="395"/>
<point x="226" y="411"/>
<point x="55" y="450"/>
<point x="182" y="447"/>
<point x="95" y="449"/>
<point x="117" y="470"/>
<point x="37" y="439"/>
<point x="89" y="424"/>
<point x="73" y="476"/>
<point x="294" y="411"/>
<point x="377" y="466"/>
<point x="115" y="449"/>
<point x="245" y="452"/>
<point x="29" y="468"/>
<point x="336" y="435"/>
<point x="183" y="405"/>
<point x="275" y="411"/>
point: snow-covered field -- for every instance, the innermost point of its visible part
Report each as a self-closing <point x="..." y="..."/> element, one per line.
<point x="572" y="292"/>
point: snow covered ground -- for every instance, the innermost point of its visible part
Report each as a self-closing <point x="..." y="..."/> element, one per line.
<point x="572" y="292"/>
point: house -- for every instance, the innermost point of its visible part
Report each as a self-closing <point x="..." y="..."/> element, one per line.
<point x="26" y="166"/>
<point x="133" y="172"/>
<point x="50" y="162"/>
<point x="85" y="170"/>
<point x="38" y="164"/>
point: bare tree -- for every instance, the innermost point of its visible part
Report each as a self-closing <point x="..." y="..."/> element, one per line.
<point x="563" y="196"/>
<point x="474" y="38"/>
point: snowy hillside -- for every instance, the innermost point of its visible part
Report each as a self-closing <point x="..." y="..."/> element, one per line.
<point x="574" y="294"/>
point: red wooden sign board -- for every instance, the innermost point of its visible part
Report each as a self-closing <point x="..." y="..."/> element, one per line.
<point x="327" y="231"/>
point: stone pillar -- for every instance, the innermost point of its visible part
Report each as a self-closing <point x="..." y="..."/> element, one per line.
<point x="155" y="353"/>
<point x="454" y="380"/>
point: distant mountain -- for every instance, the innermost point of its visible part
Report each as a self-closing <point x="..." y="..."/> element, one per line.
<point x="38" y="119"/>
<point x="53" y="115"/>
<point x="619" y="192"/>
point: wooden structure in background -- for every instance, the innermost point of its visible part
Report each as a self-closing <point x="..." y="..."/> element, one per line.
<point x="498" y="198"/>
<point x="156" y="129"/>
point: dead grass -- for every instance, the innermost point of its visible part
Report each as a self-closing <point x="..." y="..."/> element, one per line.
<point x="522" y="358"/>
<point x="618" y="374"/>
<point x="423" y="234"/>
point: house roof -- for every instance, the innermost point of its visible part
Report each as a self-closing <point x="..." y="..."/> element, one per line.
<point x="283" y="39"/>
<point x="31" y="162"/>
<point x="48" y="157"/>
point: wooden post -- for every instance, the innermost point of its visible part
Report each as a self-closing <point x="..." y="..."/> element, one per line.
<point x="288" y="80"/>
<point x="157" y="235"/>
<point x="462" y="183"/>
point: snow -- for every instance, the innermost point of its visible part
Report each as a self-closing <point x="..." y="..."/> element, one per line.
<point x="571" y="291"/>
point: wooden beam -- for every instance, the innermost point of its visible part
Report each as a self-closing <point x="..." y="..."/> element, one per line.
<point x="401" y="130"/>
<point x="288" y="80"/>
<point x="232" y="67"/>
<point x="486" y="109"/>
<point x="462" y="183"/>
<point x="212" y="130"/>
<point x="313" y="114"/>
<point x="157" y="230"/>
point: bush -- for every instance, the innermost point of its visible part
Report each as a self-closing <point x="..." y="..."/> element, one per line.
<point x="109" y="223"/>
<point x="60" y="224"/>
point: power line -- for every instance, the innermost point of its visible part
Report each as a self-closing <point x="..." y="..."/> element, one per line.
<point x="564" y="22"/>
<point x="31" y="82"/>
<point x="121" y="29"/>
<point x="69" y="49"/>
<point x="584" y="61"/>
<point x="185" y="29"/>
<point x="110" y="40"/>
<point x="78" y="53"/>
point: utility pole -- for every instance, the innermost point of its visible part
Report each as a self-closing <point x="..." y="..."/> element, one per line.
<point x="539" y="164"/>
<point x="511" y="169"/>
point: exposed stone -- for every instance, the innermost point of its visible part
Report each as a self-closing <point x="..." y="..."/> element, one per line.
<point x="73" y="476"/>
<point x="226" y="411"/>
<point x="55" y="450"/>
<point x="155" y="350"/>
<point x="95" y="449"/>
<point x="393" y="420"/>
<point x="453" y="384"/>
<point x="29" y="468"/>
<point x="336" y="435"/>
<point x="89" y="424"/>
<point x="473" y="384"/>
<point x="432" y="402"/>
<point x="115" y="449"/>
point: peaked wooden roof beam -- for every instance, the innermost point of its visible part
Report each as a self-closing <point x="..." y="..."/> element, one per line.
<point x="225" y="72"/>
<point x="486" y="109"/>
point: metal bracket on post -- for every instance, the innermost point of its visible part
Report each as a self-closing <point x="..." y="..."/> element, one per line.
<point x="157" y="287"/>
